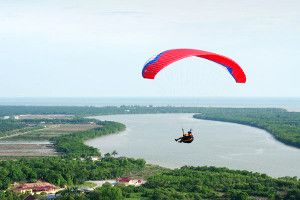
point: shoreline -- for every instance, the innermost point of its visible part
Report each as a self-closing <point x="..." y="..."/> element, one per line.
<point x="253" y="126"/>
<point x="170" y="165"/>
<point x="284" y="142"/>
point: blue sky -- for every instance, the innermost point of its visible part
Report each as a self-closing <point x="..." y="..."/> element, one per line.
<point x="98" y="48"/>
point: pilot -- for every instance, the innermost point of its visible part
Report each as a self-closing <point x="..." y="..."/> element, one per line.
<point x="186" y="138"/>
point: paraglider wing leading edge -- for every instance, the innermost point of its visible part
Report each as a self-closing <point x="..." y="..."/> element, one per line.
<point x="165" y="58"/>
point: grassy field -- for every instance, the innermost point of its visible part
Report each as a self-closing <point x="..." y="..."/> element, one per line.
<point x="48" y="131"/>
<point x="30" y="140"/>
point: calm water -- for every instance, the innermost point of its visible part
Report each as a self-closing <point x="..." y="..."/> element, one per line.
<point x="151" y="136"/>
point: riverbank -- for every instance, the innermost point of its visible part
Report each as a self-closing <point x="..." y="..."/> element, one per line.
<point x="216" y="143"/>
<point x="76" y="166"/>
<point x="282" y="125"/>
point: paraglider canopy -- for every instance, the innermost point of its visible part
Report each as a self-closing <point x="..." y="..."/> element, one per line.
<point x="165" y="58"/>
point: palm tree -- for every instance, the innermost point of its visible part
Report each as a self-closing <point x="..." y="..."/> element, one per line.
<point x="114" y="153"/>
<point x="107" y="155"/>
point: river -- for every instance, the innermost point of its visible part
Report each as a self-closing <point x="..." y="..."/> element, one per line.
<point x="151" y="136"/>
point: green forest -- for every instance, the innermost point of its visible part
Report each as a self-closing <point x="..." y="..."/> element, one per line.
<point x="72" y="144"/>
<point x="9" y="125"/>
<point x="74" y="165"/>
<point x="110" y="110"/>
<point x="197" y="183"/>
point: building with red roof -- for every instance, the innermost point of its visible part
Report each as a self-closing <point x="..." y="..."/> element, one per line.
<point x="35" y="188"/>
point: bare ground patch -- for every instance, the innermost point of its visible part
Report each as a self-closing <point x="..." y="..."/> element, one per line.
<point x="72" y="127"/>
<point x="50" y="116"/>
<point x="13" y="147"/>
<point x="27" y="149"/>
